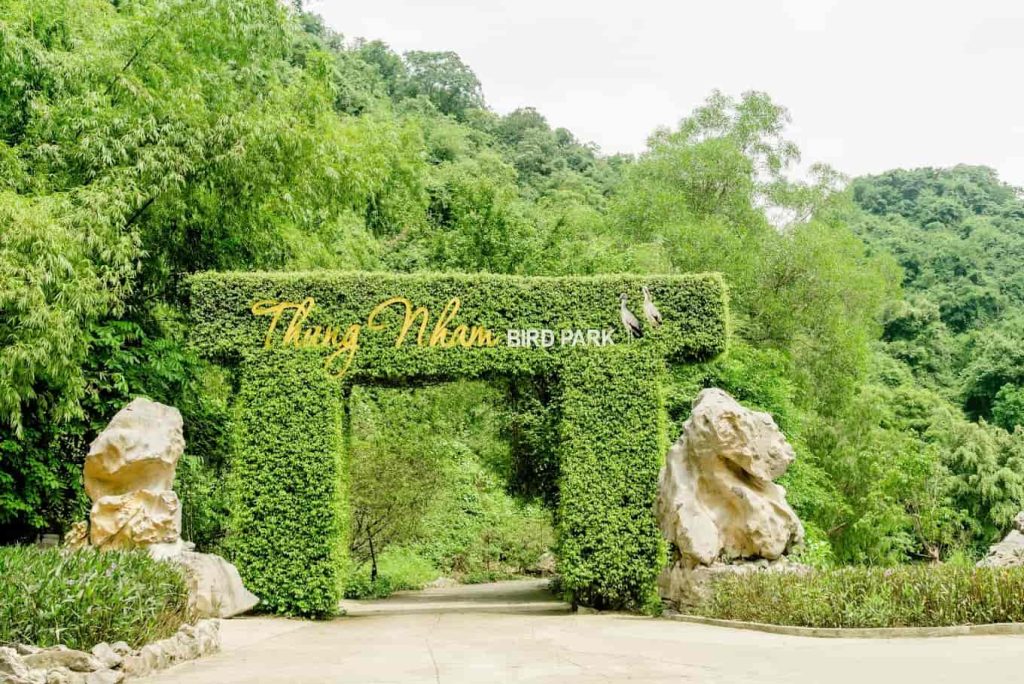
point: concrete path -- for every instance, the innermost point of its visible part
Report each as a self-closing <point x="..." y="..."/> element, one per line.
<point x="514" y="632"/>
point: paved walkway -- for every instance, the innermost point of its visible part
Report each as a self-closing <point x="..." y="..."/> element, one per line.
<point x="514" y="632"/>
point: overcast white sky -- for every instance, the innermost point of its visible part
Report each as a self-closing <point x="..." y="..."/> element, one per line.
<point x="870" y="84"/>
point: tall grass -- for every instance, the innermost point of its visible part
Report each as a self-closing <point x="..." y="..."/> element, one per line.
<point x="907" y="596"/>
<point x="80" y="598"/>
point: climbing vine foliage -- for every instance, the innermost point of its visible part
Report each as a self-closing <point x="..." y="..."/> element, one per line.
<point x="301" y="340"/>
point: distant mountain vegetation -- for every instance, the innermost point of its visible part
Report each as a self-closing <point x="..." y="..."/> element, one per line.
<point x="958" y="234"/>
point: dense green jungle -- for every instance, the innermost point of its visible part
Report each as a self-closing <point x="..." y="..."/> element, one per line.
<point x="879" y="319"/>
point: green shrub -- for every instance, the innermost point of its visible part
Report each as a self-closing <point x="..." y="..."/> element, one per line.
<point x="905" y="596"/>
<point x="289" y="519"/>
<point x="398" y="569"/>
<point x="360" y="586"/>
<point x="80" y="598"/>
<point x="406" y="569"/>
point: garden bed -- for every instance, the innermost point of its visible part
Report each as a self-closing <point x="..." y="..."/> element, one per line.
<point x="94" y="616"/>
<point x="862" y="597"/>
<point x="82" y="598"/>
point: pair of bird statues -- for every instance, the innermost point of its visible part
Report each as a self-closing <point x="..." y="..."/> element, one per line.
<point x="630" y="322"/>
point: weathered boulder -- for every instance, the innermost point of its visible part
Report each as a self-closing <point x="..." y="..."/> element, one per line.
<point x="11" y="664"/>
<point x="140" y="518"/>
<point x="215" y="587"/>
<point x="106" y="655"/>
<point x="1008" y="553"/>
<point x="716" y="501"/>
<point x="128" y="475"/>
<point x="546" y="565"/>
<point x="52" y="658"/>
<point x="139" y="449"/>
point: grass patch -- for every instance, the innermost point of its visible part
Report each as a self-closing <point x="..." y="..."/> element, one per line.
<point x="398" y="569"/>
<point x="80" y="598"/>
<point x="906" y="596"/>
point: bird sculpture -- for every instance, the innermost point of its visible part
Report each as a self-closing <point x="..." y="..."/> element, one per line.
<point x="651" y="312"/>
<point x="629" y="321"/>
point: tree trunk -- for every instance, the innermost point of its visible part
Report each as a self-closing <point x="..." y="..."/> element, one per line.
<point x="373" y="560"/>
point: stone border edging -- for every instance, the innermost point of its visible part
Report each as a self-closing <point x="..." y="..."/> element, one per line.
<point x="107" y="663"/>
<point x="994" y="629"/>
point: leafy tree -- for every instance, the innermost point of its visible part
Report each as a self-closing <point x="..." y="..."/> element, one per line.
<point x="1008" y="408"/>
<point x="996" y="360"/>
<point x="388" y="64"/>
<point x="445" y="80"/>
<point x="695" y="201"/>
<point x="393" y="477"/>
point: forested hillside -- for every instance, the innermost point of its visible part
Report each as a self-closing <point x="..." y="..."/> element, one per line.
<point x="959" y="236"/>
<point x="144" y="140"/>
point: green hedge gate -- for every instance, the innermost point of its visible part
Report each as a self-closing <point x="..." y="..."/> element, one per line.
<point x="300" y="341"/>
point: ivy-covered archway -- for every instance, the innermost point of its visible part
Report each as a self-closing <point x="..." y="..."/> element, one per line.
<point x="300" y="341"/>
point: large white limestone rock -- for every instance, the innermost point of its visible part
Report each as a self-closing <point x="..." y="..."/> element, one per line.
<point x="139" y="449"/>
<point x="129" y="472"/>
<point x="135" y="519"/>
<point x="1009" y="553"/>
<point x="215" y="587"/>
<point x="716" y="499"/>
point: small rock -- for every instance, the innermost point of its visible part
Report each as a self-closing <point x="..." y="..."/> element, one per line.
<point x="59" y="675"/>
<point x="57" y="657"/>
<point x="11" y="663"/>
<point x="443" y="583"/>
<point x="155" y="656"/>
<point x="121" y="648"/>
<point x="106" y="655"/>
<point x="135" y="665"/>
<point x="77" y="536"/>
<point x="209" y="636"/>
<point x="173" y="650"/>
<point x="104" y="677"/>
<point x="187" y="646"/>
<point x="546" y="565"/>
<point x="26" y="649"/>
<point x="586" y="610"/>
